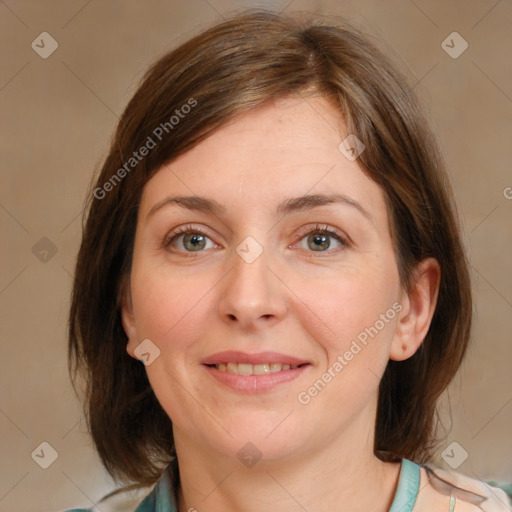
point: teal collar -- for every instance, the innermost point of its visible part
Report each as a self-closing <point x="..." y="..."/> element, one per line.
<point x="408" y="487"/>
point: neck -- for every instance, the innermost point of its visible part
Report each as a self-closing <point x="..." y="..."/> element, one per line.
<point x="345" y="472"/>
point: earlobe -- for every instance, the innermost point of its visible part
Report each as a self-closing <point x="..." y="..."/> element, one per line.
<point x="419" y="304"/>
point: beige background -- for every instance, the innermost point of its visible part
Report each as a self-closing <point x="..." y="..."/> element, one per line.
<point x="57" y="117"/>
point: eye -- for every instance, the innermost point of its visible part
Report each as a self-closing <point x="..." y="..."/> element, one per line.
<point x="323" y="239"/>
<point x="194" y="239"/>
<point x="188" y="239"/>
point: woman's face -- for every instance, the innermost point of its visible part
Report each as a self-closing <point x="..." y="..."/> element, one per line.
<point x="275" y="249"/>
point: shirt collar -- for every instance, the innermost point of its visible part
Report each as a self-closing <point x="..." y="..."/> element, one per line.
<point x="163" y="496"/>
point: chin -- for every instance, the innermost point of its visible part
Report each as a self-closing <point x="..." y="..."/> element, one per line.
<point x="264" y="442"/>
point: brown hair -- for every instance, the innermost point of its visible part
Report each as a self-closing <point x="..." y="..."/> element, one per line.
<point x="227" y="70"/>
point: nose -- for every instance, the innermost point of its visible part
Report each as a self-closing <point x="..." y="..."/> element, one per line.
<point x="252" y="296"/>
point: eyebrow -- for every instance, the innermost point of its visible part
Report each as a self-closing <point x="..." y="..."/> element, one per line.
<point x="286" y="207"/>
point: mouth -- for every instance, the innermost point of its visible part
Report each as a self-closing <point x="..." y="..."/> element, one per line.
<point x="254" y="373"/>
<point x="254" y="369"/>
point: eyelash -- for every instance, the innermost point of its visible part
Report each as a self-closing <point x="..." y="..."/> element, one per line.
<point x="182" y="230"/>
<point x="318" y="229"/>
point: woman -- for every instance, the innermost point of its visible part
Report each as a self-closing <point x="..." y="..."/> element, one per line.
<point x="271" y="292"/>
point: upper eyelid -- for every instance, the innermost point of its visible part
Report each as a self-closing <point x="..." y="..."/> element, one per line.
<point x="188" y="228"/>
<point x="319" y="227"/>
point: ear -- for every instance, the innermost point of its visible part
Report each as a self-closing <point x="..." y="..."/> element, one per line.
<point x="127" y="317"/>
<point x="418" y="306"/>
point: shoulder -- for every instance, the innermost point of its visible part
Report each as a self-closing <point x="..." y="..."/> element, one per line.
<point x="469" y="494"/>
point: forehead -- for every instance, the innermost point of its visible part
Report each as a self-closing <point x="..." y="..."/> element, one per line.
<point x="286" y="148"/>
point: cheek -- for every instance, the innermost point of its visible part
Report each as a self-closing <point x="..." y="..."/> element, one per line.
<point x="361" y="314"/>
<point x="171" y="310"/>
<point x="166" y="305"/>
<point x="356" y="306"/>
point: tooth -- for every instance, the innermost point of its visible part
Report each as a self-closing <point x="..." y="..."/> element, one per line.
<point x="245" y="369"/>
<point x="257" y="369"/>
<point x="261" y="369"/>
<point x="232" y="368"/>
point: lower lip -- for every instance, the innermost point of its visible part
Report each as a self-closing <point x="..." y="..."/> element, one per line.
<point x="253" y="384"/>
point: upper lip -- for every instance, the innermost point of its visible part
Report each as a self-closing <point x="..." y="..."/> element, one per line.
<point x="234" y="356"/>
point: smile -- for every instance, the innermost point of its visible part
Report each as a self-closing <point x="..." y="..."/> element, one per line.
<point x="244" y="377"/>
<point x="254" y="369"/>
